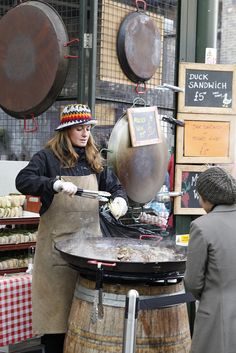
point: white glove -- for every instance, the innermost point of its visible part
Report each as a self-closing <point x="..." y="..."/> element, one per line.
<point x="118" y="207"/>
<point x="30" y="268"/>
<point x="65" y="186"/>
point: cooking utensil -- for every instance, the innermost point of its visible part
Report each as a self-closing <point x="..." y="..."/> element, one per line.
<point x="138" y="46"/>
<point x="33" y="63"/>
<point x="85" y="252"/>
<point x="99" y="195"/>
<point x="97" y="311"/>
<point x="142" y="169"/>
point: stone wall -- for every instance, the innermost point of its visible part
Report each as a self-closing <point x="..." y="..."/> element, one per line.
<point x="227" y="37"/>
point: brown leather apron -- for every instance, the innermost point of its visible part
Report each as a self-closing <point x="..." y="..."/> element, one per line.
<point x="53" y="280"/>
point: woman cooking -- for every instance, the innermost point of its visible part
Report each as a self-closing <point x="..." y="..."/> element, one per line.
<point x="69" y="161"/>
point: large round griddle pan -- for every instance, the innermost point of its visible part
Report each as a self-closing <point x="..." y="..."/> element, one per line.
<point x="83" y="252"/>
<point x="33" y="68"/>
<point x="138" y="47"/>
<point x="141" y="170"/>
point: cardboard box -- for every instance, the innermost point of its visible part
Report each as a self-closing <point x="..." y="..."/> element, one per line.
<point x="32" y="203"/>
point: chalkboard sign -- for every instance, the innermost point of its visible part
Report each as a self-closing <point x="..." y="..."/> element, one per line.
<point x="207" y="86"/>
<point x="185" y="181"/>
<point x="190" y="198"/>
<point x="144" y="126"/>
<point x="205" y="138"/>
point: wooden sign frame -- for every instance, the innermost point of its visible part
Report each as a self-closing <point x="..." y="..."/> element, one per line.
<point x="131" y="121"/>
<point x="179" y="170"/>
<point x="199" y="108"/>
<point x="200" y="158"/>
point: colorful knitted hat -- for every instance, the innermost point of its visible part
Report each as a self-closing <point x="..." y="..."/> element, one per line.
<point x="217" y="186"/>
<point x="74" y="114"/>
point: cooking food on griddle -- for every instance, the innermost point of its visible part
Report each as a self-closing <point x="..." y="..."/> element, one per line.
<point x="152" y="254"/>
<point x="124" y="249"/>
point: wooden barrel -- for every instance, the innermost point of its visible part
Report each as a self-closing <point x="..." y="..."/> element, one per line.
<point x="164" y="330"/>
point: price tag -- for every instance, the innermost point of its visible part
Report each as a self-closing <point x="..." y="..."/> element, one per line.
<point x="182" y="239"/>
<point x="144" y="126"/>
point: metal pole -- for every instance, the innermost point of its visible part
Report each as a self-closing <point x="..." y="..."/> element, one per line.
<point x="207" y="21"/>
<point x="131" y="314"/>
<point x="186" y="30"/>
<point x="81" y="59"/>
<point x="93" y="55"/>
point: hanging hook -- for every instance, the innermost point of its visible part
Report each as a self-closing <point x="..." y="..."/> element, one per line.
<point x="67" y="44"/>
<point x="35" y="124"/>
<point x="138" y="90"/>
<point x="75" y="40"/>
<point x="144" y="5"/>
<point x="139" y="100"/>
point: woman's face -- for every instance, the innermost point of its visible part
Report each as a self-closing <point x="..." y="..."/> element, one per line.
<point x="79" y="135"/>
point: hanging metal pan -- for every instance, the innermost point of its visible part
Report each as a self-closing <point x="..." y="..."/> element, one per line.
<point x="141" y="170"/>
<point x="33" y="67"/>
<point x="138" y="47"/>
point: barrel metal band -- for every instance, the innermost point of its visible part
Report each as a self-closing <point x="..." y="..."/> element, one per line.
<point x="111" y="299"/>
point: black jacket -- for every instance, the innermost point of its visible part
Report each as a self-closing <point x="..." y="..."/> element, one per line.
<point x="38" y="176"/>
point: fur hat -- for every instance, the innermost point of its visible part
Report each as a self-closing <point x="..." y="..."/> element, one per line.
<point x="217" y="186"/>
<point x="74" y="114"/>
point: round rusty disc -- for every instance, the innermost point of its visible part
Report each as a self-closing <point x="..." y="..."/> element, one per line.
<point x="33" y="69"/>
<point x="138" y="47"/>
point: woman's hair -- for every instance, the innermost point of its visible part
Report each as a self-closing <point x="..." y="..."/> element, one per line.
<point x="62" y="147"/>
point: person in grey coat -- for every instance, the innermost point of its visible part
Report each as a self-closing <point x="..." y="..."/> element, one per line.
<point x="211" y="264"/>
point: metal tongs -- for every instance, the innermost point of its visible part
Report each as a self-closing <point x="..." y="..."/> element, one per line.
<point x="91" y="194"/>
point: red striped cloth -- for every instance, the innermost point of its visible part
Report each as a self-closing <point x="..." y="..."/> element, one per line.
<point x="15" y="309"/>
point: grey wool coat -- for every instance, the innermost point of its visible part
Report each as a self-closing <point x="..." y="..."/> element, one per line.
<point x="211" y="277"/>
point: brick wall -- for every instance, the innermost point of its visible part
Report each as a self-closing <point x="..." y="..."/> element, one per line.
<point x="227" y="53"/>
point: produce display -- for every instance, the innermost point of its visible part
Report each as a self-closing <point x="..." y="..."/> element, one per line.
<point x="10" y="260"/>
<point x="10" y="263"/>
<point x="17" y="239"/>
<point x="11" y="206"/>
<point x="16" y="236"/>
